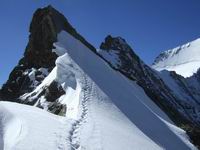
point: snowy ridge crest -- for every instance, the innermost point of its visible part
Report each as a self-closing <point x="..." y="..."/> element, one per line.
<point x="170" y="53"/>
<point x="184" y="60"/>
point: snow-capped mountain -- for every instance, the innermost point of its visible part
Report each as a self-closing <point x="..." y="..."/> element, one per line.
<point x="102" y="99"/>
<point x="184" y="60"/>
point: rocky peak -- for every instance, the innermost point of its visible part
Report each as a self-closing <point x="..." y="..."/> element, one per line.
<point x="38" y="52"/>
<point x="115" y="43"/>
<point x="38" y="57"/>
<point x="46" y="24"/>
<point x="117" y="52"/>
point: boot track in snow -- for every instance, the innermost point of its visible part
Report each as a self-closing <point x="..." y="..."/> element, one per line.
<point x="77" y="125"/>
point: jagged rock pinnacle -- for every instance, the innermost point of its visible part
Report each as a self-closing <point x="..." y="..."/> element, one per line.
<point x="47" y="22"/>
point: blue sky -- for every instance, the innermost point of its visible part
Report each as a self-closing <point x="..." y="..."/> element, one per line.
<point x="149" y="26"/>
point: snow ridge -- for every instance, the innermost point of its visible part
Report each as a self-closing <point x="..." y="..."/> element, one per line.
<point x="110" y="113"/>
<point x="184" y="60"/>
<point x="102" y="109"/>
<point x="122" y="94"/>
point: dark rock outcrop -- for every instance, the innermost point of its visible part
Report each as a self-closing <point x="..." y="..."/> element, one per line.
<point x="38" y="54"/>
<point x="53" y="92"/>
<point x="127" y="59"/>
<point x="46" y="24"/>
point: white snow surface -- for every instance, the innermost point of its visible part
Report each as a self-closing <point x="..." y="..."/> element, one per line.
<point x="29" y="128"/>
<point x="128" y="98"/>
<point x="184" y="60"/>
<point x="104" y="110"/>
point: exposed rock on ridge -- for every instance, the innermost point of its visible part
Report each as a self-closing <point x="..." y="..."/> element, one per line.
<point x="46" y="24"/>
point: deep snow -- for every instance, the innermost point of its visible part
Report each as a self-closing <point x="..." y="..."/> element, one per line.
<point x="105" y="110"/>
<point x="127" y="96"/>
<point x="29" y="128"/>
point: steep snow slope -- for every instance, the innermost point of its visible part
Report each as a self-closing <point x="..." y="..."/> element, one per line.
<point x="107" y="111"/>
<point x="128" y="97"/>
<point x="98" y="123"/>
<point x="25" y="127"/>
<point x="184" y="60"/>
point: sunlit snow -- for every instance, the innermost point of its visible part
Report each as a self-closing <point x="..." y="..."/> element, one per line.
<point x="184" y="60"/>
<point x="104" y="110"/>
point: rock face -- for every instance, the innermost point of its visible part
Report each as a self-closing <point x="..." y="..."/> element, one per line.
<point x="43" y="34"/>
<point x="46" y="24"/>
<point x="38" y="54"/>
<point x="120" y="55"/>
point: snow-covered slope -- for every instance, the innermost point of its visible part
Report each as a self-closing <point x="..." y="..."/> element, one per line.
<point x="102" y="113"/>
<point x="127" y="96"/>
<point x="107" y="98"/>
<point x="184" y="60"/>
<point x="25" y="127"/>
<point x="178" y="68"/>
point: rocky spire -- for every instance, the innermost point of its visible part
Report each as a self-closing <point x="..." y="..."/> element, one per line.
<point x="43" y="33"/>
<point x="127" y="61"/>
<point x="46" y="24"/>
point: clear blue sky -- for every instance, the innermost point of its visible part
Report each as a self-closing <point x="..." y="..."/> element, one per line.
<point x="149" y="26"/>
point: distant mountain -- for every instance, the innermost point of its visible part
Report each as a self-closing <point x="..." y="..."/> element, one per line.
<point x="184" y="60"/>
<point x="105" y="98"/>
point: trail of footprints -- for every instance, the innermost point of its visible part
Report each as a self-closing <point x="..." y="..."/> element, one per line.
<point x="76" y="126"/>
